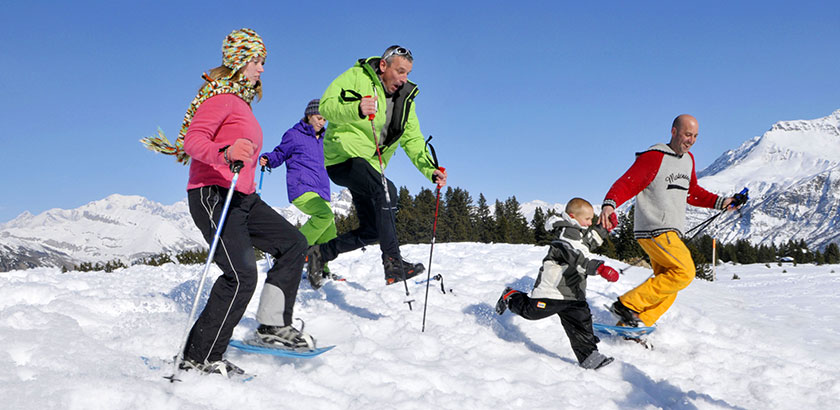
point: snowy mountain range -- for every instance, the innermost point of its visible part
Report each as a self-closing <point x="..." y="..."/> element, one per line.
<point x="792" y="171"/>
<point x="793" y="174"/>
<point x="117" y="227"/>
<point x="126" y="228"/>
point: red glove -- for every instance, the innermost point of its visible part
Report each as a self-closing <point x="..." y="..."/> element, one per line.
<point x="608" y="273"/>
<point x="614" y="222"/>
<point x="241" y="150"/>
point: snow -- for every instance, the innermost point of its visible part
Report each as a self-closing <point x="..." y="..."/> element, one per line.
<point x="768" y="340"/>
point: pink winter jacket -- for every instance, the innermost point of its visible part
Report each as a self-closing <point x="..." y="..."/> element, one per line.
<point x="219" y="121"/>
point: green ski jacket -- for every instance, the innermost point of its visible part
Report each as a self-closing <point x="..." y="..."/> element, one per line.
<point x="349" y="135"/>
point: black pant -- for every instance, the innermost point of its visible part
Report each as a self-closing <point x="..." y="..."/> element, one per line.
<point x="375" y="214"/>
<point x="574" y="315"/>
<point x="250" y="223"/>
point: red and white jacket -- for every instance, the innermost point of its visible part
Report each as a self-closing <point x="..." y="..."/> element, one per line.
<point x="662" y="182"/>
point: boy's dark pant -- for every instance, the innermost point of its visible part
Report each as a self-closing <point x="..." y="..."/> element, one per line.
<point x="574" y="315"/>
<point x="250" y="223"/>
<point x="365" y="185"/>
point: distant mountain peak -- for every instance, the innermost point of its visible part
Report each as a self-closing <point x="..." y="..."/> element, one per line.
<point x="791" y="171"/>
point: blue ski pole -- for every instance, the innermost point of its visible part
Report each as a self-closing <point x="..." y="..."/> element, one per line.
<point x="235" y="167"/>
<point x="262" y="172"/>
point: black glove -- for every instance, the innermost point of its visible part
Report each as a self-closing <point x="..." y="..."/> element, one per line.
<point x="740" y="198"/>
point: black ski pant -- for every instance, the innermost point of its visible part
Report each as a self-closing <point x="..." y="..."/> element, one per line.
<point x="574" y="315"/>
<point x="250" y="223"/>
<point x="376" y="221"/>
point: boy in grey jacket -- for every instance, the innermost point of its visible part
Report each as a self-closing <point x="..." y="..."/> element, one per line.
<point x="561" y="285"/>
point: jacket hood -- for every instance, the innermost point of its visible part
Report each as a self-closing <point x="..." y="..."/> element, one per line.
<point x="307" y="129"/>
<point x="566" y="227"/>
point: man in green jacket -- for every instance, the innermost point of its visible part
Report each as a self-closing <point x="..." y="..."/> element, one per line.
<point x="373" y="94"/>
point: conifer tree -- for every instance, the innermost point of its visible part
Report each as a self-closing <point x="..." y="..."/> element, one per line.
<point x="541" y="235"/>
<point x="731" y="255"/>
<point x="832" y="254"/>
<point x="457" y="214"/>
<point x="805" y="254"/>
<point x="482" y="221"/>
<point x="745" y="251"/>
<point x="766" y="254"/>
<point x="406" y="218"/>
<point x="348" y="222"/>
<point x="607" y="248"/>
<point x="626" y="246"/>
<point x="424" y="211"/>
<point x="819" y="259"/>
<point x="702" y="268"/>
<point x="704" y="246"/>
<point x="519" y="230"/>
<point x="501" y="226"/>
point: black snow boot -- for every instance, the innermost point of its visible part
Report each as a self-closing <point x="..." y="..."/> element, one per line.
<point x="502" y="303"/>
<point x="394" y="269"/>
<point x="315" y="266"/>
<point x="626" y="316"/>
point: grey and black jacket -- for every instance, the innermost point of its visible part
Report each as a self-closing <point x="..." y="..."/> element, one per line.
<point x="569" y="261"/>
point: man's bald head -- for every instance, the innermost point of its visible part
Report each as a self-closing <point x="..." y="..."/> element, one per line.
<point x="682" y="119"/>
<point x="684" y="132"/>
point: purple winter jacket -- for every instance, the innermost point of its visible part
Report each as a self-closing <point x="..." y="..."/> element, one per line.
<point x="303" y="154"/>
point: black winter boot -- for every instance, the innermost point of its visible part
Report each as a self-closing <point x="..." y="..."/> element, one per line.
<point x="315" y="266"/>
<point x="626" y="316"/>
<point x="502" y="303"/>
<point x="394" y="269"/>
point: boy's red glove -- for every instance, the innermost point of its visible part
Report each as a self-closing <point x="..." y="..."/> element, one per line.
<point x="608" y="273"/>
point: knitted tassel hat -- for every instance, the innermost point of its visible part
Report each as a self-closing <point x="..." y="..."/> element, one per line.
<point x="238" y="48"/>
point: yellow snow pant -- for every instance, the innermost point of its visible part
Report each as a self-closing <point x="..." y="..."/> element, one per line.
<point x="673" y="270"/>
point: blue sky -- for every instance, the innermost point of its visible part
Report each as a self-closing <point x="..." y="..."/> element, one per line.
<point x="542" y="100"/>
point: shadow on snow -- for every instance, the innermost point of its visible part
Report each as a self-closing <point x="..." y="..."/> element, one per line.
<point x="662" y="394"/>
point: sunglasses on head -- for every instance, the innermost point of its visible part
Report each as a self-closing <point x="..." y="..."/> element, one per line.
<point x="398" y="51"/>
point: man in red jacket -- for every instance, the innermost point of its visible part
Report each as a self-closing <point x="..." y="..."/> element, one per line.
<point x="662" y="179"/>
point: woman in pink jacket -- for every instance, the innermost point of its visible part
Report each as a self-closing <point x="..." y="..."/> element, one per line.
<point x="219" y="129"/>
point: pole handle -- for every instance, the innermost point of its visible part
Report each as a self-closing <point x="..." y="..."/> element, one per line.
<point x="370" y="116"/>
<point x="441" y="169"/>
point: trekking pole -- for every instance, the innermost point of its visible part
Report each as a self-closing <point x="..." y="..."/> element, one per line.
<point x="259" y="187"/>
<point x="259" y="191"/>
<point x="434" y="233"/>
<point x="739" y="199"/>
<point x="179" y="357"/>
<point x="636" y="263"/>
<point x="388" y="198"/>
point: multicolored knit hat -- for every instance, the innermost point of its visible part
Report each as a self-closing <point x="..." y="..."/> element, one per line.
<point x="312" y="108"/>
<point x="240" y="47"/>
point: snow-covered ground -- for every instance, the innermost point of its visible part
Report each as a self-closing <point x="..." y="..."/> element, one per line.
<point x="766" y="341"/>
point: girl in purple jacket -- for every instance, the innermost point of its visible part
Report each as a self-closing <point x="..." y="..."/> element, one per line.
<point x="302" y="149"/>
